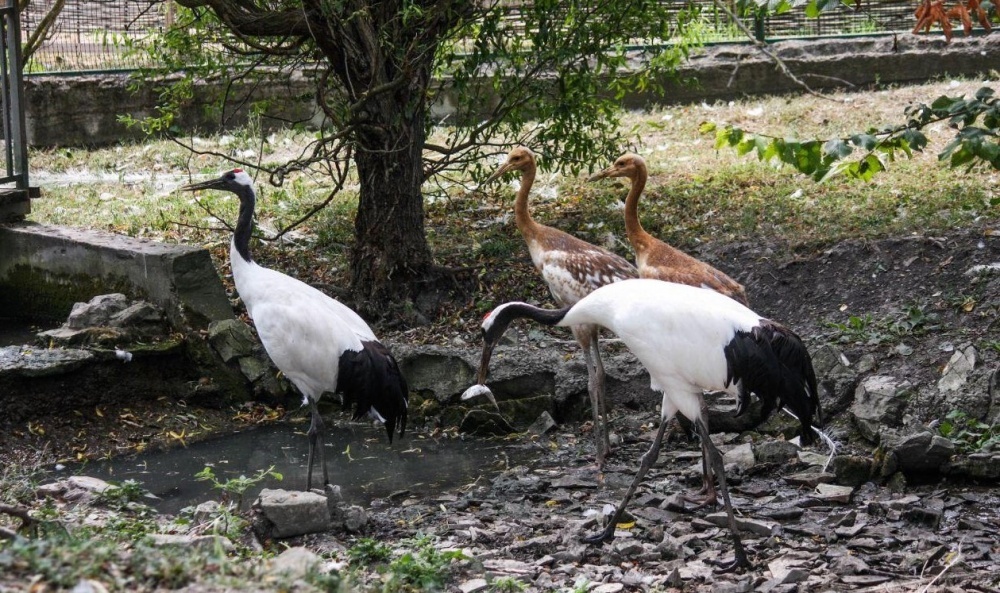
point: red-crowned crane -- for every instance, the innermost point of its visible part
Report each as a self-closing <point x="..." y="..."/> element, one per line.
<point x="689" y="339"/>
<point x="659" y="260"/>
<point x="572" y="268"/>
<point x="318" y="343"/>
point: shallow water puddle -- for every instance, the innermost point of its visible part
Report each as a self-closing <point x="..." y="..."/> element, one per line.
<point x="359" y="459"/>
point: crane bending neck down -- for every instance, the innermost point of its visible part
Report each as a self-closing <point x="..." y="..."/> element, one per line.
<point x="689" y="339"/>
<point x="318" y="343"/>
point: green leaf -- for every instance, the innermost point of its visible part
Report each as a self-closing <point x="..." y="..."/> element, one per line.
<point x="837" y="148"/>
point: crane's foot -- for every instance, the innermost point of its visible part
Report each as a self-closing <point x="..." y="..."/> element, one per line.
<point x="700" y="503"/>
<point x="601" y="537"/>
<point x="739" y="562"/>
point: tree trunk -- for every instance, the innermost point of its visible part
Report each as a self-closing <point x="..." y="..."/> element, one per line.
<point x="390" y="251"/>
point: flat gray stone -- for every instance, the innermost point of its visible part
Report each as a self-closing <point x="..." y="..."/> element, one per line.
<point x="294" y="563"/>
<point x="291" y="512"/>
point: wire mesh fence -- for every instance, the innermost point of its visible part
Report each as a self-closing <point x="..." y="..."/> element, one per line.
<point x="91" y="35"/>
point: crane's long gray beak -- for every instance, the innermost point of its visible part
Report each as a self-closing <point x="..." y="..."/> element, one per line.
<point x="480" y="387"/>
<point x="601" y="174"/>
<point x="498" y="173"/>
<point x="210" y="184"/>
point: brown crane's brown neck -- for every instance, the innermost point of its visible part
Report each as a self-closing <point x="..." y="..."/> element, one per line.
<point x="637" y="236"/>
<point x="522" y="217"/>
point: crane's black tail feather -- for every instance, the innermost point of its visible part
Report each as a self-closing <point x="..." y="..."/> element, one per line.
<point x="370" y="379"/>
<point x="771" y="361"/>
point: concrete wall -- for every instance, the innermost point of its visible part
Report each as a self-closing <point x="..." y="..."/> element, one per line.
<point x="84" y="111"/>
<point x="45" y="269"/>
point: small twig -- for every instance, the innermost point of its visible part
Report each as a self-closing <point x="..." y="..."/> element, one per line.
<point x="958" y="556"/>
<point x="767" y="51"/>
<point x="22" y="513"/>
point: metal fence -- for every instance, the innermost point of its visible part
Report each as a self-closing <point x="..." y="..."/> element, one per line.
<point x="14" y="177"/>
<point x="90" y="34"/>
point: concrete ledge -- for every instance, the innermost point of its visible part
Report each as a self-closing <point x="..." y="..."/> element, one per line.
<point x="45" y="269"/>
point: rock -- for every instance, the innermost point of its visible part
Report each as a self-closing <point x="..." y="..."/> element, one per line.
<point x="287" y="513"/>
<point x="253" y="368"/>
<point x="355" y="519"/>
<point x="206" y="511"/>
<point x="813" y="458"/>
<point x="848" y="564"/>
<point x="956" y="372"/>
<point x="436" y="372"/>
<point x="921" y="453"/>
<point x="608" y="588"/>
<point x="96" y="312"/>
<point x="473" y="586"/>
<point x="978" y="466"/>
<point x="231" y="339"/>
<point x="77" y="489"/>
<point x="810" y="478"/>
<point x="139" y="313"/>
<point x="485" y="423"/>
<point x="543" y="424"/>
<point x="879" y="402"/>
<point x="741" y="455"/>
<point x="833" y="493"/>
<point x="837" y="378"/>
<point x="852" y="470"/>
<point x="759" y="528"/>
<point x="184" y="542"/>
<point x="294" y="563"/>
<point x="774" y="451"/>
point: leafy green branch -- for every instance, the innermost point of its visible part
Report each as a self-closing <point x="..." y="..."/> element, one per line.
<point x="862" y="155"/>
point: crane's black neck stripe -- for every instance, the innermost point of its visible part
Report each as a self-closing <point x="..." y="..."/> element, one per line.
<point x="505" y="314"/>
<point x="244" y="225"/>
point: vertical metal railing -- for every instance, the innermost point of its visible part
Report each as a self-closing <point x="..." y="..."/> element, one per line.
<point x="11" y="98"/>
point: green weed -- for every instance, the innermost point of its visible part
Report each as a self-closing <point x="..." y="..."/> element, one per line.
<point x="422" y="567"/>
<point x="234" y="488"/>
<point x="969" y="434"/>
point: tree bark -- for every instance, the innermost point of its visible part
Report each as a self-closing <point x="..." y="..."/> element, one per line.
<point x="391" y="252"/>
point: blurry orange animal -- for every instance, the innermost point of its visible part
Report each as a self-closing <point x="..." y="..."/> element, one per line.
<point x="930" y="12"/>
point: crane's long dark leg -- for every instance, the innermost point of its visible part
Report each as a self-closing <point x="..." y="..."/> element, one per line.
<point x="585" y="336"/>
<point x="648" y="459"/>
<point x="707" y="478"/>
<point x="741" y="560"/>
<point x="600" y="379"/>
<point x="315" y="435"/>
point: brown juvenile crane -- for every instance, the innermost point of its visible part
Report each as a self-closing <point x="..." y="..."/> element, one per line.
<point x="572" y="268"/>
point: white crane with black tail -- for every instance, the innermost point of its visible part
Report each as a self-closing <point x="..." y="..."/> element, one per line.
<point x="320" y="344"/>
<point x="689" y="339"/>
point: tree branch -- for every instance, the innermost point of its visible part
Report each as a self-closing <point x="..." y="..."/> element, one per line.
<point x="760" y="45"/>
<point x="248" y="20"/>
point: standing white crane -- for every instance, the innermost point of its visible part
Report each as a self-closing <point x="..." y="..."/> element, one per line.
<point x="689" y="339"/>
<point x="318" y="343"/>
<point x="659" y="260"/>
<point x="572" y="268"/>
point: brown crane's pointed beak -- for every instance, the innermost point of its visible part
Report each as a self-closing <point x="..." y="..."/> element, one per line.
<point x="480" y="387"/>
<point x="601" y="174"/>
<point x="498" y="173"/>
<point x="210" y="184"/>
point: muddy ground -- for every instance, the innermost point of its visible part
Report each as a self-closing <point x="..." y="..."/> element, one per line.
<point x="889" y="534"/>
<point x="924" y="298"/>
